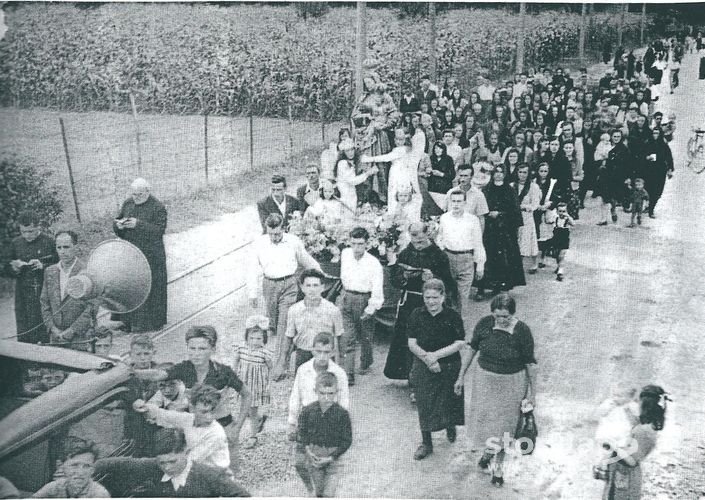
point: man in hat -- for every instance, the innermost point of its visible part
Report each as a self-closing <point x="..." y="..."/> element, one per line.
<point x="278" y="202"/>
<point x="69" y="321"/>
<point x="28" y="255"/>
<point x="142" y="221"/>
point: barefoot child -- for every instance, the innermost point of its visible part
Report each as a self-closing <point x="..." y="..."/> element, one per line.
<point x="561" y="237"/>
<point x="253" y="363"/>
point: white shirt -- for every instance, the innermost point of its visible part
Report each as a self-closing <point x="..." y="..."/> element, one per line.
<point x="475" y="201"/>
<point x="519" y="89"/>
<point x="486" y="92"/>
<point x="282" y="205"/>
<point x="64" y="275"/>
<point x="346" y="182"/>
<point x="364" y="275"/>
<point x="277" y="260"/>
<point x="179" y="480"/>
<point x="303" y="392"/>
<point x="207" y="444"/>
<point x="462" y="233"/>
<point x="455" y="152"/>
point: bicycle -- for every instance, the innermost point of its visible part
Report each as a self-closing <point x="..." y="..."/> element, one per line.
<point x="696" y="151"/>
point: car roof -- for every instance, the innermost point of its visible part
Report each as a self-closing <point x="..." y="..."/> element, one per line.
<point x="77" y="360"/>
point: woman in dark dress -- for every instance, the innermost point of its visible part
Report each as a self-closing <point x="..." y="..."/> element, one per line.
<point x="440" y="179"/>
<point x="504" y="269"/>
<point x="612" y="174"/>
<point x="656" y="165"/>
<point x="436" y="335"/>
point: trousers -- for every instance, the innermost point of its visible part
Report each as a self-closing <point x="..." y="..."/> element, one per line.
<point x="279" y="296"/>
<point x="462" y="269"/>
<point x="356" y="330"/>
<point x="324" y="481"/>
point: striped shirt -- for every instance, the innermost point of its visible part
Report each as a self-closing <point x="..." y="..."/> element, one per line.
<point x="305" y="322"/>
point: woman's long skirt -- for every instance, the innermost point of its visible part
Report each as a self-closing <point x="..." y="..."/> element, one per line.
<point x="398" y="362"/>
<point x="492" y="406"/>
<point x="504" y="268"/>
<point x="438" y="405"/>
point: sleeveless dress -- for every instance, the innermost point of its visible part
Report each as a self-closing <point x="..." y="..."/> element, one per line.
<point x="254" y="373"/>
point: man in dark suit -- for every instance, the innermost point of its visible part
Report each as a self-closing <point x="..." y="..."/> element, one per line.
<point x="278" y="202"/>
<point x="426" y="94"/>
<point x="69" y="321"/>
<point x="409" y="103"/>
<point x="309" y="192"/>
<point x="170" y="474"/>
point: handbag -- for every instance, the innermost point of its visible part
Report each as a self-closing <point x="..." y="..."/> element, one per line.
<point x="526" y="431"/>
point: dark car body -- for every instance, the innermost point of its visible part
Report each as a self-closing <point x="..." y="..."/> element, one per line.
<point x="32" y="427"/>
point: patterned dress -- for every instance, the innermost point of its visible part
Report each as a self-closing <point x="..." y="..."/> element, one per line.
<point x="254" y="373"/>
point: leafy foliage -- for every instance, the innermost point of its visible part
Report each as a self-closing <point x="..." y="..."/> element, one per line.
<point x="237" y="59"/>
<point x="23" y="187"/>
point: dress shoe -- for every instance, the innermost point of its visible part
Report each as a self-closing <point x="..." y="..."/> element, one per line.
<point x="451" y="434"/>
<point x="423" y="451"/>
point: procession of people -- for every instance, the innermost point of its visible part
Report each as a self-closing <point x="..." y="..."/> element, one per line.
<point x="483" y="186"/>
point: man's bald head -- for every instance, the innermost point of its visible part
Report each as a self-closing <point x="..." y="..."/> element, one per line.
<point x="418" y="232"/>
<point x="140" y="190"/>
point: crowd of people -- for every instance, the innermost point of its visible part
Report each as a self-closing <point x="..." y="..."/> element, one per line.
<point x="505" y="171"/>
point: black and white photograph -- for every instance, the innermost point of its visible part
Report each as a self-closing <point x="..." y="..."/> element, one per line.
<point x="437" y="250"/>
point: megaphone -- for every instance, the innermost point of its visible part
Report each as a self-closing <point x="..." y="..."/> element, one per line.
<point x="117" y="274"/>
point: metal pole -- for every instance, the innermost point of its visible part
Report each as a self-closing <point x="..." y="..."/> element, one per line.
<point x="361" y="47"/>
<point x="252" y="144"/>
<point x="68" y="165"/>
<point x="581" y="40"/>
<point x="643" y="22"/>
<point x="432" y="42"/>
<point x="137" y="134"/>
<point x="205" y="142"/>
<point x="520" y="38"/>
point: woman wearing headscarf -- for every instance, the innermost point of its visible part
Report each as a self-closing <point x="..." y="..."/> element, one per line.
<point x="440" y="179"/>
<point x="656" y="166"/>
<point x="504" y="269"/>
<point x="374" y="115"/>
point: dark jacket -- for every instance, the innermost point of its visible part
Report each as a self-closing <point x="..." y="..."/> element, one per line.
<point x="268" y="206"/>
<point x="126" y="476"/>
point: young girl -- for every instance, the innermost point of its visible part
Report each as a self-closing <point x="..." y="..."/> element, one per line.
<point x="573" y="196"/>
<point x="561" y="237"/>
<point x="544" y="215"/>
<point x="529" y="197"/>
<point x="253" y="363"/>
<point x="328" y="209"/>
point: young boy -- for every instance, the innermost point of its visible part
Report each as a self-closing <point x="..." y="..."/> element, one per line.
<point x="137" y="430"/>
<point x="206" y="438"/>
<point x="639" y="199"/>
<point x="171" y="394"/>
<point x="104" y="343"/>
<point x="324" y="434"/>
<point x="77" y="465"/>
<point x="560" y="243"/>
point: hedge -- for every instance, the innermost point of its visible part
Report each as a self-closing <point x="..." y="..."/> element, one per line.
<point x="236" y="59"/>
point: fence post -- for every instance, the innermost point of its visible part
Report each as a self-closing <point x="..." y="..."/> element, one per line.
<point x="291" y="137"/>
<point x="68" y="165"/>
<point x="252" y="144"/>
<point x="323" y="130"/>
<point x="137" y="134"/>
<point x="205" y="142"/>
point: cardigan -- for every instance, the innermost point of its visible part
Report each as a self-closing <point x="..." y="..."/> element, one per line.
<point x="500" y="351"/>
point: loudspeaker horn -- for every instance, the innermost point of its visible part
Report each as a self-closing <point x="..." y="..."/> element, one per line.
<point x="117" y="274"/>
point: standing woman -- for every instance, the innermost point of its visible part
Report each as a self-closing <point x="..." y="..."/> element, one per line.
<point x="624" y="477"/>
<point x="436" y="336"/>
<point x="502" y="376"/>
<point x="611" y="176"/>
<point x="440" y="179"/>
<point x="529" y="197"/>
<point x="657" y="164"/>
<point x="346" y="177"/>
<point x="504" y="269"/>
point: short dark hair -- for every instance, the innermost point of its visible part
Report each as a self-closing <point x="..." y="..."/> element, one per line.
<point x="103" y="332"/>
<point x="274" y="221"/>
<point x="167" y="441"/>
<point x="256" y="328"/>
<point x="279" y="179"/>
<point x="311" y="273"/>
<point x="28" y="218"/>
<point x="323" y="338"/>
<point x="503" y="301"/>
<point x="206" y="394"/>
<point x="313" y="165"/>
<point x="326" y="379"/>
<point x="203" y="332"/>
<point x="465" y="166"/>
<point x="360" y="232"/>
<point x="142" y="341"/>
<point x="653" y="406"/>
<point x="448" y="131"/>
<point x="561" y="204"/>
<point x="75" y="446"/>
<point x="72" y="235"/>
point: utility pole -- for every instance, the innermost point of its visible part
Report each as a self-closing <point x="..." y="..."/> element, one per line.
<point x="643" y="22"/>
<point x="520" y="38"/>
<point x="361" y="47"/>
<point x="581" y="40"/>
<point x="620" y="28"/>
<point x="432" y="44"/>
